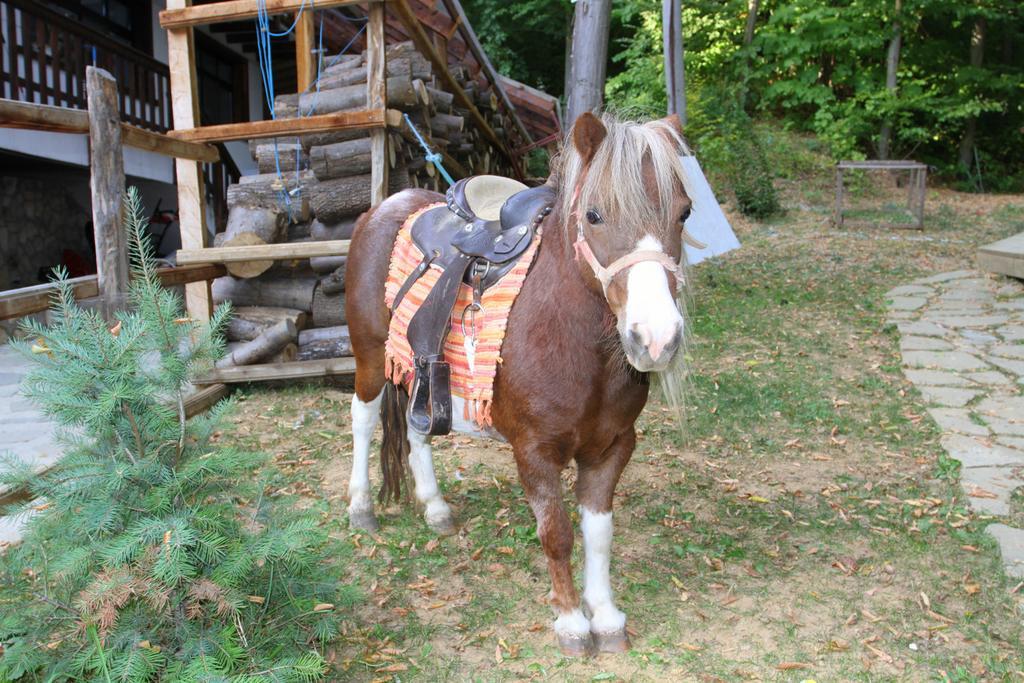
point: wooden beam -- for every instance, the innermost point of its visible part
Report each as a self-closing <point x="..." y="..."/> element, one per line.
<point x="322" y="123"/>
<point x="261" y="252"/>
<point x="181" y="59"/>
<point x="425" y="46"/>
<point x="15" y="303"/>
<point x="29" y="116"/>
<point x="183" y="275"/>
<point x="303" y="369"/>
<point x="305" y="41"/>
<point x="140" y="138"/>
<point x="376" y="98"/>
<point x="203" y="399"/>
<point x="233" y="10"/>
<point x="106" y="186"/>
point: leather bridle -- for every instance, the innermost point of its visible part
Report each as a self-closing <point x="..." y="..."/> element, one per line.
<point x="605" y="274"/>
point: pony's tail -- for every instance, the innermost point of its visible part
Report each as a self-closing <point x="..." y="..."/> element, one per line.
<point x="394" y="447"/>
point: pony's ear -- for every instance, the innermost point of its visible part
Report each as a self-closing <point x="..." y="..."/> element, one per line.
<point x="587" y="135"/>
<point x="673" y="121"/>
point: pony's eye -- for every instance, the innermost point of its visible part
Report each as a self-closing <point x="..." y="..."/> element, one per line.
<point x="593" y="217"/>
<point x="686" y="214"/>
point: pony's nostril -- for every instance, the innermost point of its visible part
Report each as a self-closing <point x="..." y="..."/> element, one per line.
<point x="674" y="342"/>
<point x="636" y="338"/>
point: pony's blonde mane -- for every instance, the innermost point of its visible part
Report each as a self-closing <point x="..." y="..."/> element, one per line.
<point x="614" y="179"/>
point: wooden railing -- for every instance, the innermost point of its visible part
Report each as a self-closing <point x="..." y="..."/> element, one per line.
<point x="44" y="56"/>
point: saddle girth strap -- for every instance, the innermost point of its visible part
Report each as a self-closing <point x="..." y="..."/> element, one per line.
<point x="430" y="410"/>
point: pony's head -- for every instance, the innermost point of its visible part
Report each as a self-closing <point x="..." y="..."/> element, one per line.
<point x="623" y="193"/>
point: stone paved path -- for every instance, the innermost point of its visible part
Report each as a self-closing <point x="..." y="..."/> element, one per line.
<point x="962" y="341"/>
<point x="24" y="431"/>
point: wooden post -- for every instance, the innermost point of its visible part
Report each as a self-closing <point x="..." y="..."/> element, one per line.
<point x="106" y="184"/>
<point x="589" y="57"/>
<point x="191" y="195"/>
<point x="675" y="75"/>
<point x="377" y="97"/>
<point x="837" y="213"/>
<point x="305" y="40"/>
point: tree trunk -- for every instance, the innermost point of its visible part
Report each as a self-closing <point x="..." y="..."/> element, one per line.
<point x="341" y="159"/>
<point x="287" y="293"/>
<point x="324" y="342"/>
<point x="971" y="129"/>
<point x="589" y="57"/>
<point x="753" y="6"/>
<point x="892" y="62"/>
<point x="288" y="157"/>
<point x="335" y="231"/>
<point x="335" y="200"/>
<point x="335" y="282"/>
<point x="403" y="93"/>
<point x="328" y="309"/>
<point x="249" y="226"/>
<point x="266" y="191"/>
<point x="267" y="344"/>
<point x="248" y="322"/>
<point x="675" y="74"/>
<point x="327" y="264"/>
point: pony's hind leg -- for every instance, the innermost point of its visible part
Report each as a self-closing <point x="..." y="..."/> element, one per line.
<point x="365" y="417"/>
<point x="421" y="461"/>
<point x="595" y="487"/>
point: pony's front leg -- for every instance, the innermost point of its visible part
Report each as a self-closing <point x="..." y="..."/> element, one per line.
<point x="421" y="461"/>
<point x="365" y="417"/>
<point x="595" y="487"/>
<point x="541" y="480"/>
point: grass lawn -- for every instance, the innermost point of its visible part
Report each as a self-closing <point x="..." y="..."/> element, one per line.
<point x="805" y="526"/>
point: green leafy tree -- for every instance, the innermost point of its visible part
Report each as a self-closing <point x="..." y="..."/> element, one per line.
<point x="150" y="551"/>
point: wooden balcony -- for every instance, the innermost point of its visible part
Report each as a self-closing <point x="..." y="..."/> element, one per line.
<point x="43" y="61"/>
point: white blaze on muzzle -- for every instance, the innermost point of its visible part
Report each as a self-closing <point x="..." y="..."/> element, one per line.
<point x="651" y="314"/>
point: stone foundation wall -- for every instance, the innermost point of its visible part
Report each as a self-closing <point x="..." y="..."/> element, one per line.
<point x="40" y="218"/>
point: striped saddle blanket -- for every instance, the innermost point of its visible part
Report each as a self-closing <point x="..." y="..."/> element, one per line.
<point x="472" y="379"/>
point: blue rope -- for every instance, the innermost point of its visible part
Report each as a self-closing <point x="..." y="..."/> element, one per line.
<point x="432" y="157"/>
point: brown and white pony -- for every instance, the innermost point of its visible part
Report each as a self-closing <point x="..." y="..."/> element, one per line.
<point x="596" y="314"/>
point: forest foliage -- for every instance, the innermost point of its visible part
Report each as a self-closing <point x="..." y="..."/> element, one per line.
<point x="814" y="65"/>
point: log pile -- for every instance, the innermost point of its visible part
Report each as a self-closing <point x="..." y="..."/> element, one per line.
<point x="314" y="188"/>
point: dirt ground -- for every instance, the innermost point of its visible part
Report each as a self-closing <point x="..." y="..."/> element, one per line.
<point x="804" y="525"/>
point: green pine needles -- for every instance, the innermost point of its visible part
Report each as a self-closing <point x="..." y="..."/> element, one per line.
<point x="150" y="551"/>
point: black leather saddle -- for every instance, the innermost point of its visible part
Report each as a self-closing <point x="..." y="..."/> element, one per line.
<point x="477" y="238"/>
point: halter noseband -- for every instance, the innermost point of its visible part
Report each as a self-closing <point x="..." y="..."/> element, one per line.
<point x="605" y="275"/>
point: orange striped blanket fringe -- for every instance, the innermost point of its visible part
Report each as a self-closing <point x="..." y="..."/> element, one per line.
<point x="475" y="388"/>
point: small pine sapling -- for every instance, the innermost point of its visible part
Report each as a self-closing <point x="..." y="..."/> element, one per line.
<point x="150" y="551"/>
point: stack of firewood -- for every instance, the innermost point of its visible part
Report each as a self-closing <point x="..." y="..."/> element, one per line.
<point x="315" y="186"/>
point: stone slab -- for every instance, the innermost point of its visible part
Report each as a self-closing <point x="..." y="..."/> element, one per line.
<point x="1011" y="332"/>
<point x="1008" y="364"/>
<point x="974" y="452"/>
<point x="1012" y="351"/>
<point x="949" y="319"/>
<point x="936" y="378"/>
<point x="924" y="344"/>
<point x="1011" y="441"/>
<point x="921" y="329"/>
<point x="1011" y="547"/>
<point x="909" y="290"/>
<point x="907" y="303"/>
<point x="946" y="277"/>
<point x="978" y="336"/>
<point x="943" y="360"/>
<point x="951" y="397"/>
<point x="988" y="488"/>
<point x="957" y="420"/>
<point x="989" y="377"/>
